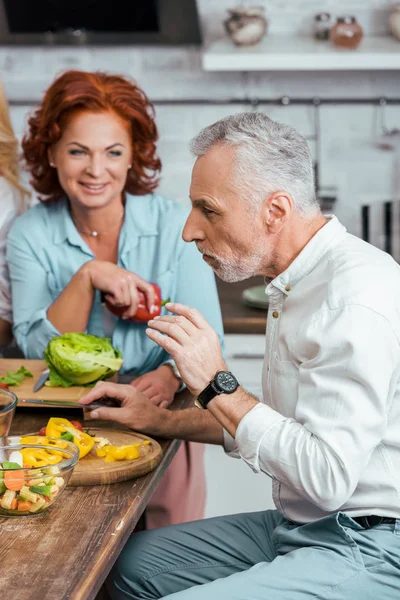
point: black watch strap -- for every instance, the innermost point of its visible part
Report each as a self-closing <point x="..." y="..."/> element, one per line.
<point x="206" y="395"/>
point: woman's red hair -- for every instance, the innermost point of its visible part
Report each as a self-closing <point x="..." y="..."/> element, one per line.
<point x="78" y="91"/>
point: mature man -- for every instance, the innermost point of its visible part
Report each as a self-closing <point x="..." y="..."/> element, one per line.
<point x="328" y="428"/>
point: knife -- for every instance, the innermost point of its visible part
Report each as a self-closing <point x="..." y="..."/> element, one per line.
<point x="42" y="380"/>
<point x="68" y="404"/>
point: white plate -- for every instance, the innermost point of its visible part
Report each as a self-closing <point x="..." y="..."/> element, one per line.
<point x="256" y="297"/>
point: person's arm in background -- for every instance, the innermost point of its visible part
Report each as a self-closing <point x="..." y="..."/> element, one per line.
<point x="9" y="211"/>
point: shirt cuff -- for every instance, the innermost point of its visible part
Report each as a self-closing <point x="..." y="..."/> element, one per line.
<point x="251" y="430"/>
<point x="230" y="445"/>
<point x="172" y="362"/>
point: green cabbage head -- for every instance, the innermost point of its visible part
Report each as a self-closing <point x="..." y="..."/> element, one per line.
<point x="80" y="359"/>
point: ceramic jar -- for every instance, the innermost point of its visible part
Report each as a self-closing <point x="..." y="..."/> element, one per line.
<point x="346" y="33"/>
<point x="246" y="25"/>
<point x="394" y="21"/>
<point x="322" y="26"/>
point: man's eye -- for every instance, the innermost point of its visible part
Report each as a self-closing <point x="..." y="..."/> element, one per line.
<point x="207" y="212"/>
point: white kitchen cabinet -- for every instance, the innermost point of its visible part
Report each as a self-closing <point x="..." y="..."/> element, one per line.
<point x="232" y="487"/>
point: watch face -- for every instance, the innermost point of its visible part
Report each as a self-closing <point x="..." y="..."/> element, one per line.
<point x="226" y="382"/>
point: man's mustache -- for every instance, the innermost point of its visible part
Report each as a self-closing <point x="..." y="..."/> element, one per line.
<point x="207" y="253"/>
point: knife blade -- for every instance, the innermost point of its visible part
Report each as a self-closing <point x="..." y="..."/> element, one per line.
<point x="42" y="380"/>
<point x="68" y="404"/>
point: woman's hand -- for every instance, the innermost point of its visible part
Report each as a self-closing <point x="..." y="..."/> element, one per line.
<point x="120" y="287"/>
<point x="160" y="386"/>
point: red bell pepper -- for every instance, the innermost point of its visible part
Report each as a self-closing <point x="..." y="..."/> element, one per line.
<point x="143" y="313"/>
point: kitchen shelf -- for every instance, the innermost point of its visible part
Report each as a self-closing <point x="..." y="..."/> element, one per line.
<point x="282" y="53"/>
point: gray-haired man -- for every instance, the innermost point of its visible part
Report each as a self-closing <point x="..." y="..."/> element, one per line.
<point x="328" y="428"/>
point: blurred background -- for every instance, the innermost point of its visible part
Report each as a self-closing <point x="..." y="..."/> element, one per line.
<point x="328" y="67"/>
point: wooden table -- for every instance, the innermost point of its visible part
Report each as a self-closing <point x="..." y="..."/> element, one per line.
<point x="68" y="551"/>
<point x="236" y="316"/>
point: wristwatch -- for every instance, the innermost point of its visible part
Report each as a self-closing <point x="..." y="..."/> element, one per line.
<point x="223" y="382"/>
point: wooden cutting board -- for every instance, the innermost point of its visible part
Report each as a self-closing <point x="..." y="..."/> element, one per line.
<point x="92" y="470"/>
<point x="25" y="390"/>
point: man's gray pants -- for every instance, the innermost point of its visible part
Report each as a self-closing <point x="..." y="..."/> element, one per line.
<point x="261" y="556"/>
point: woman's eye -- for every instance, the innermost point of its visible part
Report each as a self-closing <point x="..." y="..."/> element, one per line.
<point x="76" y="152"/>
<point x="115" y="152"/>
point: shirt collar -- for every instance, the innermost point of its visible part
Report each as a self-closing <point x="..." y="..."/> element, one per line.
<point x="136" y="223"/>
<point x="308" y="258"/>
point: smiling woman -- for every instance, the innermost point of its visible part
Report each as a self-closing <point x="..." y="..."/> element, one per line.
<point x="101" y="237"/>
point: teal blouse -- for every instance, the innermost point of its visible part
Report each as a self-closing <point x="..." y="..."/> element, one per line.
<point x="44" y="251"/>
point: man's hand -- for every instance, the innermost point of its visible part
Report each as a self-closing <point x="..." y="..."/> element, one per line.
<point x="135" y="412"/>
<point x="191" y="342"/>
<point x="160" y="386"/>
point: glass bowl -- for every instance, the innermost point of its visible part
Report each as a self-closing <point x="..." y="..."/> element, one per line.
<point x="8" y="404"/>
<point x="48" y="464"/>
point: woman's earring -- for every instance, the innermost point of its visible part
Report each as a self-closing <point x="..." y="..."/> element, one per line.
<point x="52" y="164"/>
<point x="129" y="167"/>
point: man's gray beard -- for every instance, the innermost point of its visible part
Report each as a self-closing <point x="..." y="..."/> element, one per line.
<point x="231" y="273"/>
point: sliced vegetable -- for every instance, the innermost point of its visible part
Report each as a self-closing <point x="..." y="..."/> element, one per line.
<point x="14" y="480"/>
<point x="115" y="453"/>
<point x="67" y="436"/>
<point x="15" y="377"/>
<point x="16" y="457"/>
<point x="40" y="457"/>
<point x="23" y="505"/>
<point x="26" y="494"/>
<point x="40" y="503"/>
<point x="43" y="490"/>
<point x="56" y="427"/>
<point x="8" y="499"/>
<point x="10" y="465"/>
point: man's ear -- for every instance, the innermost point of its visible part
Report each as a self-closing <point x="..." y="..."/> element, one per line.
<point x="276" y="210"/>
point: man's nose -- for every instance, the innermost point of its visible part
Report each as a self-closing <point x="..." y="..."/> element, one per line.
<point x="191" y="231"/>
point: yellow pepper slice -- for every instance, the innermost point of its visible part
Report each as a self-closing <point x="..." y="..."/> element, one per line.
<point x="115" y="453"/>
<point x="57" y="426"/>
<point x="40" y="440"/>
<point x="36" y="457"/>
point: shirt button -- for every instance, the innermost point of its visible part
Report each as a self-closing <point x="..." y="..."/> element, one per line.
<point x="287" y="288"/>
<point x="275" y="314"/>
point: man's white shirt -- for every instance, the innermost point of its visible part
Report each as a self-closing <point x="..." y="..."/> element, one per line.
<point x="328" y="427"/>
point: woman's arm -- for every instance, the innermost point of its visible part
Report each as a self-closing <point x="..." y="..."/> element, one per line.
<point x="5" y="332"/>
<point x="71" y="310"/>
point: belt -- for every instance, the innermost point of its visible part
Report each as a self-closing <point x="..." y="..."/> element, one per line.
<point x="369" y="521"/>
